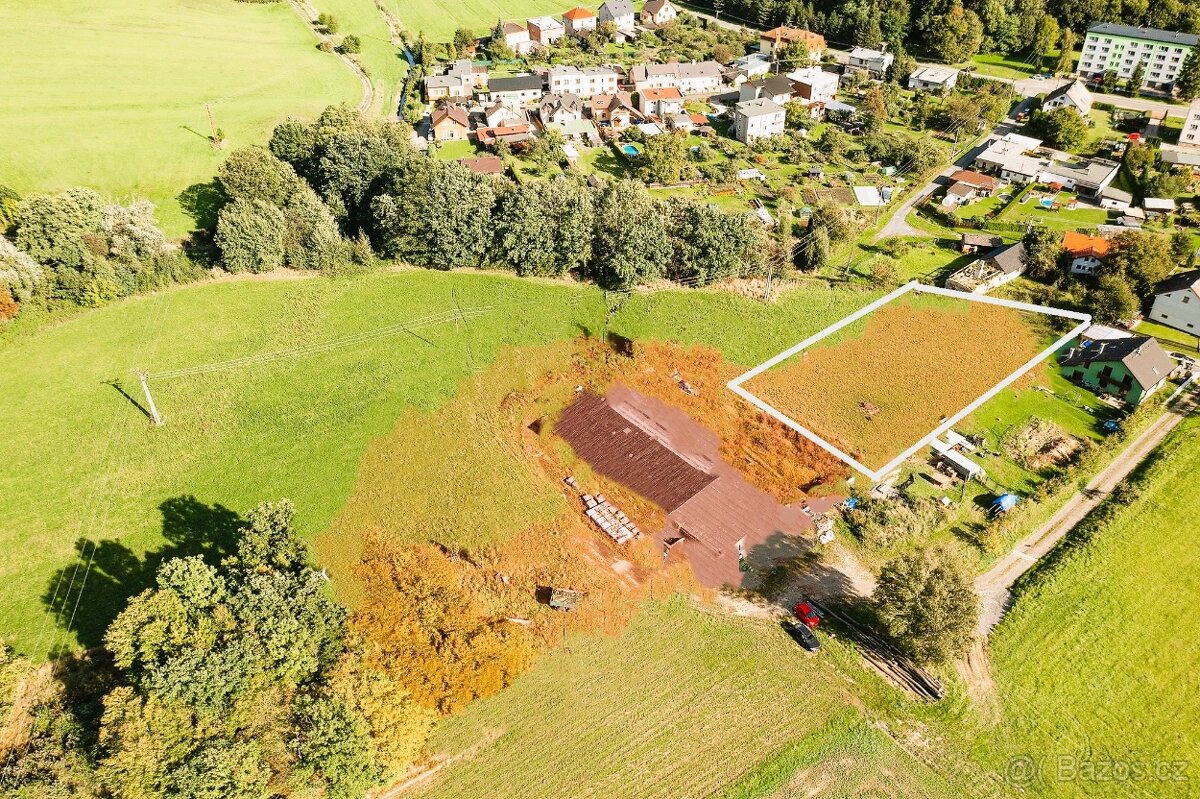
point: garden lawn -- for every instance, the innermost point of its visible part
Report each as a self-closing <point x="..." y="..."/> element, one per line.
<point x="110" y="94"/>
<point x="1118" y="615"/>
<point x="1169" y="337"/>
<point x="1000" y="65"/>
<point x="683" y="704"/>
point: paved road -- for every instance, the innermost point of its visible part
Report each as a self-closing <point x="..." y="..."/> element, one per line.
<point x="994" y="585"/>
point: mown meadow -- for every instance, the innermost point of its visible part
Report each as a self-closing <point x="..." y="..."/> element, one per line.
<point x="111" y="94"/>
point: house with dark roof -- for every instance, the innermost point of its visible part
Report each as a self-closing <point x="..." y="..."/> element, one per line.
<point x="484" y="164"/>
<point x="618" y="12"/>
<point x="1177" y="302"/>
<point x="777" y="88"/>
<point x="1129" y="368"/>
<point x="517" y="90"/>
<point x="974" y="242"/>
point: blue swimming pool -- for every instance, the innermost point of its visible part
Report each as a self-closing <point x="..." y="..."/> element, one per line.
<point x="630" y="150"/>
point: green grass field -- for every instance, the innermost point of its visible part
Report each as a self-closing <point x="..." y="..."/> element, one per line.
<point x="683" y="704"/>
<point x="1118" y="616"/>
<point x="110" y="93"/>
<point x="384" y="63"/>
<point x="295" y="428"/>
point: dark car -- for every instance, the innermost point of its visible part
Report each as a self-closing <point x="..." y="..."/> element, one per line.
<point x="802" y="635"/>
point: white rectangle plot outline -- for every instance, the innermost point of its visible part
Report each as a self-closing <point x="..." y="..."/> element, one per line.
<point x="916" y="287"/>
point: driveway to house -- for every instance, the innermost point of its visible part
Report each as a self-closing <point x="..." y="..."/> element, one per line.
<point x="994" y="586"/>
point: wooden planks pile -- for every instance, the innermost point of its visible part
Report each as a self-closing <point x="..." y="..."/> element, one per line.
<point x="609" y="518"/>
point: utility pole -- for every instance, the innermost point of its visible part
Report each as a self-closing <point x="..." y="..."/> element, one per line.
<point x="212" y="126"/>
<point x="144" y="376"/>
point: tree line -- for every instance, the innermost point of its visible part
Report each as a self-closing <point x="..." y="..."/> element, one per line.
<point x="955" y="30"/>
<point x="348" y="187"/>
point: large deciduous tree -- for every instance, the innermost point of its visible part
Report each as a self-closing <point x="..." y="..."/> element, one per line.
<point x="250" y="235"/>
<point x="544" y="228"/>
<point x="926" y="600"/>
<point x="709" y="245"/>
<point x="630" y="243"/>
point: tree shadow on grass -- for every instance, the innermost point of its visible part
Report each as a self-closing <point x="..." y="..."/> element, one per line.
<point x="87" y="594"/>
<point x="202" y="202"/>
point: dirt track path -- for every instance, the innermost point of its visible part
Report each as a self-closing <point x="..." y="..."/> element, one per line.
<point x="994" y="585"/>
<point x="308" y="15"/>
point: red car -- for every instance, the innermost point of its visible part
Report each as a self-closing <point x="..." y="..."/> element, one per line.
<point x="805" y="613"/>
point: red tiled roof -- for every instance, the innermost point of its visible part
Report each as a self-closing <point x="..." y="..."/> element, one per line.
<point x="668" y="93"/>
<point x="578" y="13"/>
<point x="1081" y="244"/>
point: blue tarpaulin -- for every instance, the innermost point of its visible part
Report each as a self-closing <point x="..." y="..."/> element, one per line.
<point x="1005" y="502"/>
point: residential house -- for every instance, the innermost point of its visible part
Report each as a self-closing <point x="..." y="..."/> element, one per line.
<point x="450" y="124"/>
<point x="1177" y="302"/>
<point x="583" y="82"/>
<point x="1120" y="48"/>
<point x="515" y="134"/>
<point x="1190" y="135"/>
<point x="697" y="77"/>
<point x="516" y="91"/>
<point x="1129" y="368"/>
<point x="998" y="267"/>
<point x="660" y="102"/>
<point x="579" y="22"/>
<point x="959" y="194"/>
<point x="777" y="89"/>
<point x="545" y="31"/>
<point x="1115" y="200"/>
<point x="614" y="110"/>
<point x="681" y="121"/>
<point x="984" y="185"/>
<point x="1008" y="157"/>
<point x="757" y="119"/>
<point x="484" y="164"/>
<point x="1086" y="252"/>
<point x="657" y="13"/>
<point x="580" y="130"/>
<point x="1158" y="206"/>
<point x="461" y="79"/>
<point x="560" y="109"/>
<point x="654" y="76"/>
<point x="814" y="85"/>
<point x="876" y="62"/>
<point x="974" y="242"/>
<point x="1085" y="178"/>
<point x="498" y="114"/>
<point x="776" y="39"/>
<point x="700" y="77"/>
<point x="618" y="12"/>
<point x="517" y="38"/>
<point x="441" y="87"/>
<point x="933" y="78"/>
<point x="1071" y="95"/>
<point x="748" y="67"/>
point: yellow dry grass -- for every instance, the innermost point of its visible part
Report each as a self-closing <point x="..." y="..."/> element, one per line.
<point x="918" y="360"/>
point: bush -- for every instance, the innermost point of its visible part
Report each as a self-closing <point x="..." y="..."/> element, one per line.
<point x="351" y="44"/>
<point x="880" y="523"/>
<point x="8" y="306"/>
<point x="926" y="600"/>
<point x="250" y="235"/>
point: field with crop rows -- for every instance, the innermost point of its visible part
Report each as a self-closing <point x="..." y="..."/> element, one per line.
<point x="683" y="704"/>
<point x="1096" y="661"/>
<point x="917" y="359"/>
